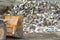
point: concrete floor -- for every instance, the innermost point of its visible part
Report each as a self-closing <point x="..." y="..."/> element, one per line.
<point x="38" y="36"/>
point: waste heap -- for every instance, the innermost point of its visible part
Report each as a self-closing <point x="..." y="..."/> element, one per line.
<point x="38" y="16"/>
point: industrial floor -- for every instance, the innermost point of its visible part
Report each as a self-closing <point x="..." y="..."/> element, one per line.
<point x="37" y="36"/>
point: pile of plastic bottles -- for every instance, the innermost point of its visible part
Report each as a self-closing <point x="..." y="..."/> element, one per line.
<point x="41" y="14"/>
<point x="38" y="16"/>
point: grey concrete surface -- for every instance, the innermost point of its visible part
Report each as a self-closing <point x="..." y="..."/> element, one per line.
<point x="38" y="36"/>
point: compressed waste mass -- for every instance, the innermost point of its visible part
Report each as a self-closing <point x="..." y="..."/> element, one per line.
<point x="37" y="15"/>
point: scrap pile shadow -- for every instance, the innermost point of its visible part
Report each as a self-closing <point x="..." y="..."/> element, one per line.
<point x="8" y="37"/>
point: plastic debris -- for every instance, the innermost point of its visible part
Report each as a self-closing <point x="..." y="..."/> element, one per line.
<point x="37" y="15"/>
